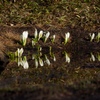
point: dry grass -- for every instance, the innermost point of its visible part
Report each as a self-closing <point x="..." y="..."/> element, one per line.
<point x="59" y="13"/>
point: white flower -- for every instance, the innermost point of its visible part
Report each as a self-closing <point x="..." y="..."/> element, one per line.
<point x="92" y="36"/>
<point x="47" y="60"/>
<point x="53" y="38"/>
<point x="67" y="35"/>
<point x="40" y="35"/>
<point x="19" y="52"/>
<point x="41" y="62"/>
<point x="54" y="58"/>
<point x="24" y="37"/>
<point x="25" y="34"/>
<point x="67" y="58"/>
<point x="47" y="36"/>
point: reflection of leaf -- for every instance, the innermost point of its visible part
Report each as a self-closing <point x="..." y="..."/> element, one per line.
<point x="67" y="57"/>
<point x="23" y="62"/>
<point x="92" y="57"/>
<point x="19" y="61"/>
<point x="46" y="36"/>
<point x="11" y="55"/>
<point x="19" y="52"/>
<point x="47" y="60"/>
<point x="54" y="58"/>
<point x="36" y="63"/>
<point x="34" y="41"/>
<point x="41" y="62"/>
<point x="39" y="48"/>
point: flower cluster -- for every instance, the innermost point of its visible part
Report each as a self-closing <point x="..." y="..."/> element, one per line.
<point x="24" y="37"/>
<point x="94" y="37"/>
<point x="21" y="60"/>
<point x="67" y="36"/>
<point x="41" y="35"/>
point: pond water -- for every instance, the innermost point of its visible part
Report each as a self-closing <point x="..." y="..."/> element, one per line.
<point x="56" y="67"/>
<point x="68" y="59"/>
<point x="75" y="68"/>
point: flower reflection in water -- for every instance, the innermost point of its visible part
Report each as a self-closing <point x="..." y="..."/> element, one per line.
<point x="23" y="62"/>
<point x="95" y="57"/>
<point x="67" y="58"/>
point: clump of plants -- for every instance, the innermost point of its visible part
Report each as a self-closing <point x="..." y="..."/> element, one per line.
<point x="44" y="37"/>
<point x="94" y="37"/>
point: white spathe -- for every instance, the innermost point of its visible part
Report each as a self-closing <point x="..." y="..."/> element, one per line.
<point x="33" y="43"/>
<point x="53" y="38"/>
<point x="40" y="34"/>
<point x="67" y="35"/>
<point x="25" y="34"/>
<point x="47" y="36"/>
<point x="24" y="37"/>
<point x="20" y="61"/>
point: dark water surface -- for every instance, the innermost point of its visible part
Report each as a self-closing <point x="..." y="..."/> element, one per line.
<point x="56" y="72"/>
<point x="74" y="68"/>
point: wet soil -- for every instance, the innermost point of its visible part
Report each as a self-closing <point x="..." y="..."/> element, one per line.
<point x="60" y="81"/>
